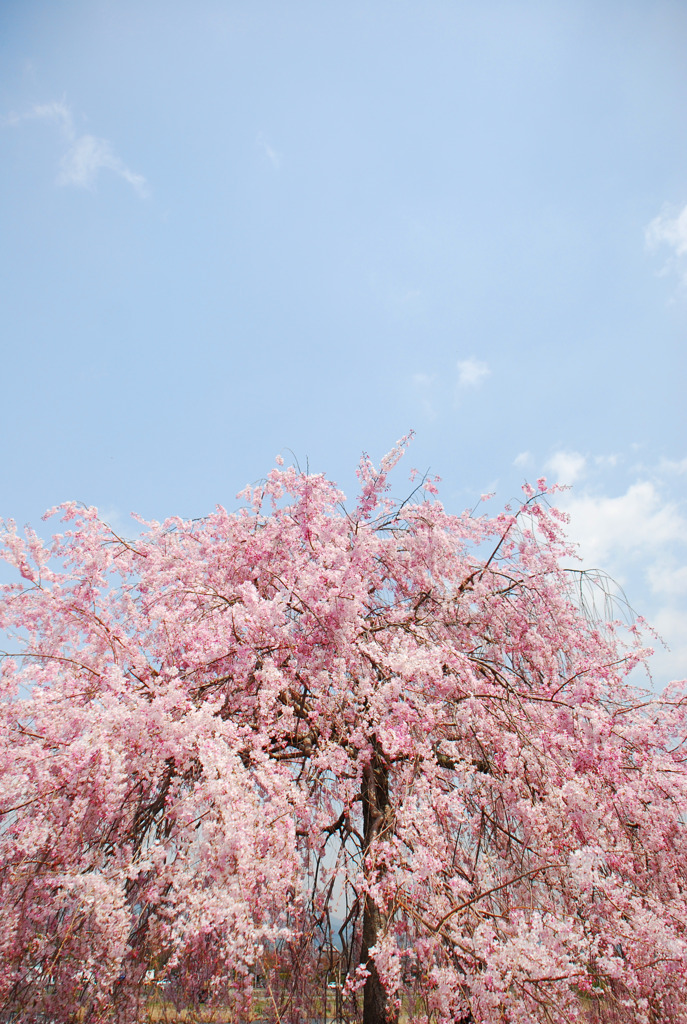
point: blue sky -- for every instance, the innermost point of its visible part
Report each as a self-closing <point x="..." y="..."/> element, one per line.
<point x="233" y="229"/>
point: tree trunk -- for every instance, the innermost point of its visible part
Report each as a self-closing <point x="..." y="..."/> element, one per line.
<point x="376" y="806"/>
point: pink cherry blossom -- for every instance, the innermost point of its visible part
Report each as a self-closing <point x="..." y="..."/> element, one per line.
<point x="292" y="743"/>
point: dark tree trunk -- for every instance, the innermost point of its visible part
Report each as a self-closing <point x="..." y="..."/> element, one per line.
<point x="376" y="812"/>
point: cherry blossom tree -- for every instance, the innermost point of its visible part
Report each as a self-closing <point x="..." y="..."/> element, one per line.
<point x="385" y="748"/>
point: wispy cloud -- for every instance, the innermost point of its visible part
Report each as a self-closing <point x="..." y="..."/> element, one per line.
<point x="607" y="461"/>
<point x="272" y="155"/>
<point x="670" y="229"/>
<point x="89" y="155"/>
<point x="471" y="373"/>
<point x="435" y="392"/>
<point x="673" y="466"/>
<point x="567" y="466"/>
<point x="85" y="156"/>
<point x="57" y="112"/>
<point x="523" y="459"/>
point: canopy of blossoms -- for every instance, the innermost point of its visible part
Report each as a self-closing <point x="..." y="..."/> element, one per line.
<point x="387" y="747"/>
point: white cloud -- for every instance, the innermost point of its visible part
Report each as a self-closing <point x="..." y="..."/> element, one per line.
<point x="670" y="229"/>
<point x="668" y="579"/>
<point x="639" y="536"/>
<point x="567" y="466"/>
<point x="58" y="112"/>
<point x="523" y="459"/>
<point x="607" y="460"/>
<point x="271" y="154"/>
<point x="85" y="155"/>
<point x="471" y="373"/>
<point x="82" y="162"/>
<point x="431" y="390"/>
<point x="637" y="522"/>
<point x="673" y="466"/>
